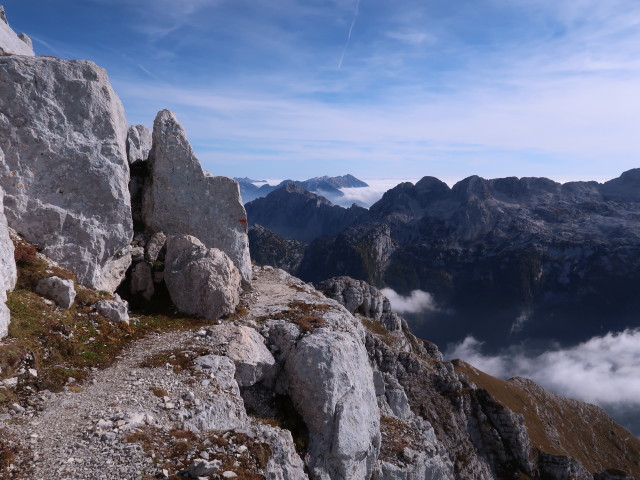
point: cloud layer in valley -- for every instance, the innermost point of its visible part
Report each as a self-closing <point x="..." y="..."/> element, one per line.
<point x="603" y="370"/>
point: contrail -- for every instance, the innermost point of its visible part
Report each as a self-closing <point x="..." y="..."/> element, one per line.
<point x="353" y="24"/>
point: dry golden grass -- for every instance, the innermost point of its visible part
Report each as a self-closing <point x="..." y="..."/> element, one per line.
<point x="563" y="426"/>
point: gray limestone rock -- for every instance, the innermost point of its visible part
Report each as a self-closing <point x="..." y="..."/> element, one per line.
<point x="63" y="165"/>
<point x="8" y="274"/>
<point x="201" y="281"/>
<point x="331" y="384"/>
<point x="245" y="347"/>
<point x="224" y="408"/>
<point x="284" y="463"/>
<point x="357" y="296"/>
<point x="115" y="310"/>
<point x="60" y="291"/>
<point x="154" y="245"/>
<point x="181" y="199"/>
<point x="138" y="143"/>
<point x="142" y="280"/>
<point x="10" y="43"/>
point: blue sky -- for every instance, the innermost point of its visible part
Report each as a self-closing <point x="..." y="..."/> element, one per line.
<point x="278" y="89"/>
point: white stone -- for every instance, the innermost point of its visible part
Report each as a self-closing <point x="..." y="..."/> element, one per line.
<point x="115" y="310"/>
<point x="138" y="143"/>
<point x="60" y="291"/>
<point x="63" y="165"/>
<point x="182" y="199"/>
<point x="331" y="384"/>
<point x="8" y="272"/>
<point x="245" y="347"/>
<point x="201" y="281"/>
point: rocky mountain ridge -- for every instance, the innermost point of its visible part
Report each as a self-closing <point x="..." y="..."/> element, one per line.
<point x="217" y="369"/>
<point x="493" y="251"/>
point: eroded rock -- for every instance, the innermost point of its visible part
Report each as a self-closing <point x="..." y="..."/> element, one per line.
<point x="63" y="165"/>
<point x="60" y="291"/>
<point x="245" y="347"/>
<point x="201" y="281"/>
<point x="330" y="381"/>
<point x="115" y="310"/>
<point x="138" y="143"/>
<point x="181" y="199"/>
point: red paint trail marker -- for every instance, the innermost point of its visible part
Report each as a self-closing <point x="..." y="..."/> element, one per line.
<point x="243" y="220"/>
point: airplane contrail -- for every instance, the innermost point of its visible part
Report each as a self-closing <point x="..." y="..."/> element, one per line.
<point x="353" y="24"/>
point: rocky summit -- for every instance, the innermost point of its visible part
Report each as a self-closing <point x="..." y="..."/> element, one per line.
<point x="137" y="341"/>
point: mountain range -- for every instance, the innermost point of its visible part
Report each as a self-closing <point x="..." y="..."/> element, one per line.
<point x="326" y="186"/>
<point x="526" y="259"/>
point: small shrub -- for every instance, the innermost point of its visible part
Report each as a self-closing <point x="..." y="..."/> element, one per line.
<point x="159" y="392"/>
<point x="25" y="254"/>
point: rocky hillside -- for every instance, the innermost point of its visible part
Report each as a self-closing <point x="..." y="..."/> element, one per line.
<point x="493" y="251"/>
<point x="137" y="341"/>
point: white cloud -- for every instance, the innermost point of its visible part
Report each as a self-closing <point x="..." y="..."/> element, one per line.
<point x="603" y="370"/>
<point x="369" y="195"/>
<point x="417" y="301"/>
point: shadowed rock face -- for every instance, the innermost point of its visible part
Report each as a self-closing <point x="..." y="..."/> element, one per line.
<point x="63" y="165"/>
<point x="181" y="199"/>
<point x="293" y="212"/>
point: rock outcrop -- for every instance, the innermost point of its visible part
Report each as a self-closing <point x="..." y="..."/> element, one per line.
<point x="63" y="165"/>
<point x="363" y="299"/>
<point x="181" y="199"/>
<point x="139" y="140"/>
<point x="10" y="43"/>
<point x="246" y="349"/>
<point x="8" y="274"/>
<point x="201" y="281"/>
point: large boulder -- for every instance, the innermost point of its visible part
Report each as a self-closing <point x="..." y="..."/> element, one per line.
<point x="63" y="165"/>
<point x="331" y="384"/>
<point x="201" y="281"/>
<point x="10" y="43"/>
<point x="8" y="274"/>
<point x="181" y="199"/>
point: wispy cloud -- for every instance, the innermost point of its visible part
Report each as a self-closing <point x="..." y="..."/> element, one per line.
<point x="353" y="24"/>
